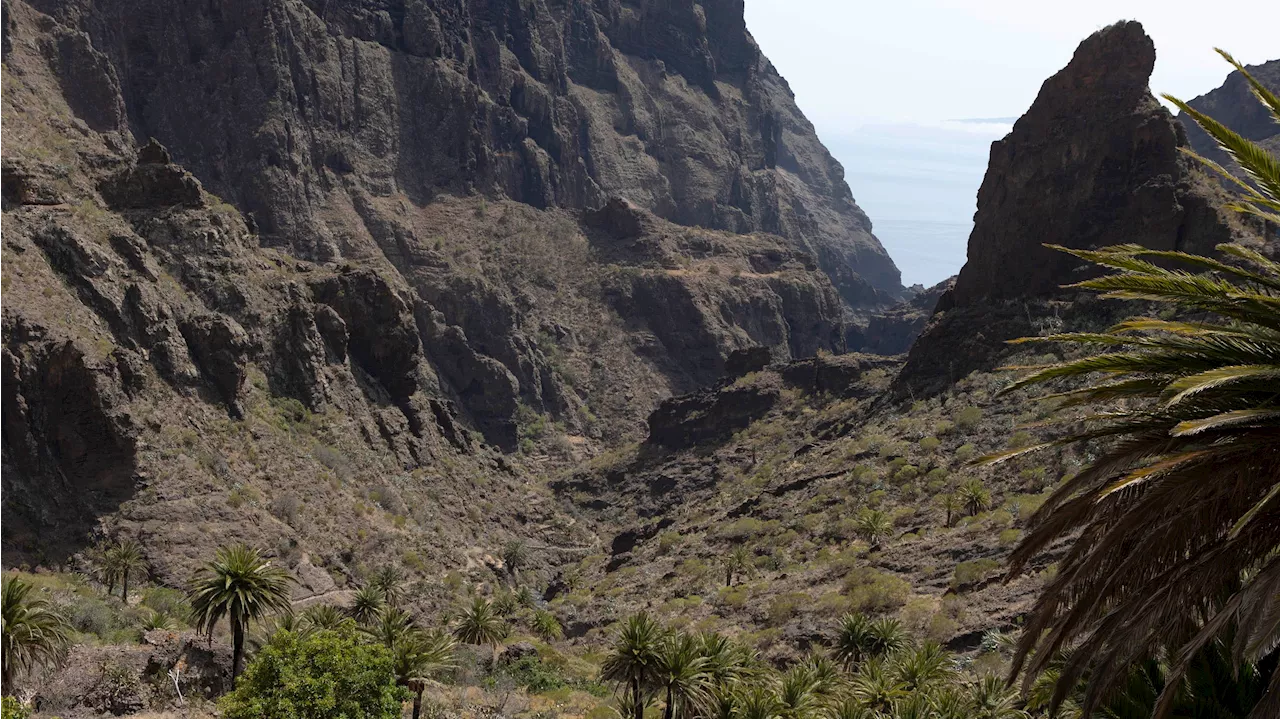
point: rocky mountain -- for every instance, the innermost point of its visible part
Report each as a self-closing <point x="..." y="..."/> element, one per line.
<point x="1095" y="161"/>
<point x="305" y="113"/>
<point x="1234" y="105"/>
<point x="268" y="262"/>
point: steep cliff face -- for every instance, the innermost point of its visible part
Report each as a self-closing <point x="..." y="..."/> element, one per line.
<point x="336" y="365"/>
<point x="1234" y="105"/>
<point x="1095" y="161"/>
<point x="295" y="110"/>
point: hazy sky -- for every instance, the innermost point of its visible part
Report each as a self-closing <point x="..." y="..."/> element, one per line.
<point x="850" y="61"/>
<point x="880" y="79"/>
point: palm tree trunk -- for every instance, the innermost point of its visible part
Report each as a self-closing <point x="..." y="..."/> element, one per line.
<point x="728" y="576"/>
<point x="124" y="587"/>
<point x="237" y="648"/>
<point x="417" y="701"/>
<point x="670" y="711"/>
<point x="637" y="701"/>
<point x="6" y="680"/>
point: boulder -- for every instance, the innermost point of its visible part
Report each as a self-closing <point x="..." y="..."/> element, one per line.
<point x="152" y="183"/>
<point x="710" y="414"/>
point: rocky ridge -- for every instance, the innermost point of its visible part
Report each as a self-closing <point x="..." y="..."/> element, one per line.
<point x="300" y="113"/>
<point x="371" y="331"/>
<point x="1095" y="161"/>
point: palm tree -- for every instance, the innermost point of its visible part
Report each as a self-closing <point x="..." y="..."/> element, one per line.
<point x="325" y="616"/>
<point x="480" y="624"/>
<point x="390" y="626"/>
<point x="515" y="555"/>
<point x="737" y="563"/>
<point x="390" y="582"/>
<point x="1177" y="518"/>
<point x="417" y="656"/>
<point x="525" y="597"/>
<point x="797" y="693"/>
<point x="991" y="698"/>
<point x="951" y="504"/>
<point x="728" y="662"/>
<point x="974" y="497"/>
<point x="876" y="688"/>
<point x="887" y="636"/>
<point x="35" y="634"/>
<point x="682" y="672"/>
<point x="546" y="625"/>
<point x="635" y="659"/>
<point x="271" y="629"/>
<point x="851" y="708"/>
<point x="874" y="525"/>
<point x="854" y="642"/>
<point x="104" y="565"/>
<point x="242" y="586"/>
<point x="124" y="558"/>
<point x="758" y="702"/>
<point x="925" y="666"/>
<point x="825" y="673"/>
<point x="367" y="604"/>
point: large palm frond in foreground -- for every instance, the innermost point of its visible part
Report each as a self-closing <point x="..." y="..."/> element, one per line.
<point x="1178" y="517"/>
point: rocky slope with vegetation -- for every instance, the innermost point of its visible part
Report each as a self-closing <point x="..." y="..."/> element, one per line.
<point x="257" y="329"/>
<point x="540" y="303"/>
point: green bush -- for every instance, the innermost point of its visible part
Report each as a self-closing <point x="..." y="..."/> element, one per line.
<point x="1021" y="439"/>
<point x="871" y="591"/>
<point x="785" y="606"/>
<point x="533" y="674"/>
<point x="968" y="417"/>
<point x="325" y="675"/>
<point x="975" y="571"/>
<point x="906" y="473"/>
<point x="11" y="708"/>
<point x="929" y="444"/>
<point x="166" y="601"/>
<point x="966" y="452"/>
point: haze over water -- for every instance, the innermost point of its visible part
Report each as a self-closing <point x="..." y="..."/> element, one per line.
<point x="919" y="183"/>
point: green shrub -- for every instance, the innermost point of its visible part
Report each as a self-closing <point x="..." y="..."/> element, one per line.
<point x="533" y="674"/>
<point x="871" y="591"/>
<point x="906" y="473"/>
<point x="668" y="541"/>
<point x="166" y="601"/>
<point x="1021" y="439"/>
<point x="785" y="606"/>
<point x="974" y="571"/>
<point x="325" y="675"/>
<point x="945" y="426"/>
<point x="966" y="452"/>
<point x="1010" y="536"/>
<point x="968" y="417"/>
<point x="929" y="444"/>
<point x="11" y="708"/>
<point x="748" y="528"/>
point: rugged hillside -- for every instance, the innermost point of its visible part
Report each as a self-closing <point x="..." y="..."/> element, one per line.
<point x="790" y="459"/>
<point x="1235" y="105"/>
<point x="300" y="112"/>
<point x="384" y="257"/>
<point x="1095" y="161"/>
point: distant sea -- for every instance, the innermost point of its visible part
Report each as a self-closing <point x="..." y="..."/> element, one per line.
<point x="919" y="183"/>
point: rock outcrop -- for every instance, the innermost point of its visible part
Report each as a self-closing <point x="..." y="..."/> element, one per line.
<point x="1234" y="105"/>
<point x="891" y="331"/>
<point x="426" y="264"/>
<point x="1095" y="161"/>
<point x="291" y="110"/>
